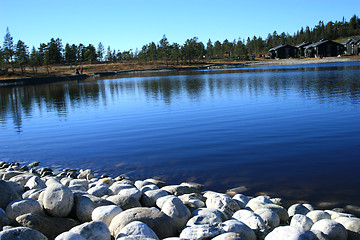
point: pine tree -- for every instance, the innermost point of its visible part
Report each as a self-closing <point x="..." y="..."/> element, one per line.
<point x="21" y="54"/>
<point x="8" y="50"/>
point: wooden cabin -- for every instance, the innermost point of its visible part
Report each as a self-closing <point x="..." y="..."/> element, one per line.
<point x="301" y="48"/>
<point x="350" y="47"/>
<point x="324" y="48"/>
<point x="356" y="47"/>
<point x="283" y="51"/>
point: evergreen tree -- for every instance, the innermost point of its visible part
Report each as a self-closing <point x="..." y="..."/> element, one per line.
<point x="21" y="54"/>
<point x="90" y="54"/>
<point x="209" y="49"/>
<point x="100" y="52"/>
<point x="164" y="49"/>
<point x="8" y="50"/>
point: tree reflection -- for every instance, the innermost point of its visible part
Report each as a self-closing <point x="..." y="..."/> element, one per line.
<point x="324" y="85"/>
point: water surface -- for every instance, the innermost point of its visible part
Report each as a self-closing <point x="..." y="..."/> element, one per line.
<point x="290" y="131"/>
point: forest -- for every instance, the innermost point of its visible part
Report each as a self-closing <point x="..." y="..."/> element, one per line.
<point x="54" y="53"/>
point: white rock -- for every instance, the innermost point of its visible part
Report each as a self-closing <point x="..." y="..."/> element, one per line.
<point x="20" y="207"/>
<point x="352" y="225"/>
<point x="137" y="228"/>
<point x="301" y="221"/>
<point x="33" y="193"/>
<point x="333" y="229"/>
<point x="149" y="197"/>
<point x="81" y="182"/>
<point x="200" y="232"/>
<point x="210" y="219"/>
<point x="176" y="209"/>
<point x="192" y="200"/>
<point x="229" y="236"/>
<point x="105" y="213"/>
<point x="149" y="187"/>
<point x="160" y="201"/>
<point x="334" y="215"/>
<point x="65" y="181"/>
<point x="240" y="228"/>
<point x="70" y="236"/>
<point x="100" y="190"/>
<point x="35" y="183"/>
<point x="93" y="231"/>
<point x="116" y="187"/>
<point x="209" y="211"/>
<point x="252" y="220"/>
<point x="58" y="200"/>
<point x="131" y="192"/>
<point x="318" y="215"/>
<point x="241" y="199"/>
<point x="19" y="233"/>
<point x="223" y="203"/>
<point x="287" y="233"/>
<point x="269" y="216"/>
<point x="302" y="209"/>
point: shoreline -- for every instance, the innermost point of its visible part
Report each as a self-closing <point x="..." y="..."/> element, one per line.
<point x="56" y="205"/>
<point x="59" y="78"/>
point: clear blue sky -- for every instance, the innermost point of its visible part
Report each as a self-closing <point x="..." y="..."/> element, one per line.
<point x="130" y="24"/>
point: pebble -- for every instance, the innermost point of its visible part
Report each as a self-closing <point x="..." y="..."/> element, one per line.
<point x="75" y="205"/>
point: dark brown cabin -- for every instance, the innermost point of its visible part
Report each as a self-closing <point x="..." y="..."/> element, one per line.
<point x="324" y="48"/>
<point x="301" y="48"/>
<point x="283" y="51"/>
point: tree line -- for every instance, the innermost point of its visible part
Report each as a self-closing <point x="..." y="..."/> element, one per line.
<point x="192" y="51"/>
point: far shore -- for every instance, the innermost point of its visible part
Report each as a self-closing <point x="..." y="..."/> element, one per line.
<point x="220" y="65"/>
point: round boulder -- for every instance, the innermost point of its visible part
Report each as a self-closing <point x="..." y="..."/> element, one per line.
<point x="318" y="215"/>
<point x="175" y="209"/>
<point x="333" y="229"/>
<point x="22" y="233"/>
<point x="105" y="213"/>
<point x="270" y="217"/>
<point x="70" y="236"/>
<point x="352" y="225"/>
<point x="85" y="205"/>
<point x="20" y="207"/>
<point x="287" y="233"/>
<point x="301" y="221"/>
<point x="58" y="200"/>
<point x="200" y="232"/>
<point x="137" y="228"/>
<point x="93" y="231"/>
<point x="240" y="228"/>
<point x="7" y="194"/>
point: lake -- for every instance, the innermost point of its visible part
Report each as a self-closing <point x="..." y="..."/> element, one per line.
<point x="289" y="131"/>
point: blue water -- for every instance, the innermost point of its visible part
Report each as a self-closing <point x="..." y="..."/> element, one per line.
<point x="290" y="131"/>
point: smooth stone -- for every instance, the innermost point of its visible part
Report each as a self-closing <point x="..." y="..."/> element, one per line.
<point x="301" y="221"/>
<point x="240" y="228"/>
<point x="160" y="201"/>
<point x="158" y="183"/>
<point x="81" y="182"/>
<point x="352" y="225"/>
<point x="256" y="203"/>
<point x="287" y="233"/>
<point x="200" y="232"/>
<point x="93" y="231"/>
<point x="139" y="184"/>
<point x="4" y="220"/>
<point x="270" y="217"/>
<point x="177" y="210"/>
<point x="22" y="178"/>
<point x="178" y="190"/>
<point x="7" y="175"/>
<point x="118" y="186"/>
<point x="241" y="200"/>
<point x="299" y="209"/>
<point x="318" y="235"/>
<point x="58" y="200"/>
<point x="86" y="174"/>
<point x="33" y="193"/>
<point x="158" y="221"/>
<point x="78" y="188"/>
<point x="333" y="229"/>
<point x="223" y="203"/>
<point x="131" y="192"/>
<point x="254" y="221"/>
<point x="279" y="210"/>
<point x="7" y="194"/>
<point x="124" y="202"/>
<point x="85" y="205"/>
<point x="65" y="181"/>
<point x="22" y="233"/>
<point x="229" y="236"/>
<point x="149" y="187"/>
<point x="49" y="226"/>
<point x="20" y="207"/>
<point x="149" y="197"/>
<point x="193" y="200"/>
<point x="100" y="191"/>
<point x="334" y="215"/>
<point x="35" y="183"/>
<point x="108" y="181"/>
<point x="210" y="219"/>
<point x="209" y="211"/>
<point x="137" y="228"/>
<point x="134" y="237"/>
<point x="318" y="215"/>
<point x="70" y="236"/>
<point x="17" y="187"/>
<point x="105" y="213"/>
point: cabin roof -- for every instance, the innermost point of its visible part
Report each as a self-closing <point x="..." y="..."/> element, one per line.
<point x="322" y="41"/>
<point x="303" y="44"/>
<point x="280" y="46"/>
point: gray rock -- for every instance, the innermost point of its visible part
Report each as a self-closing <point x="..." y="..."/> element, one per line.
<point x="124" y="202"/>
<point x="85" y="204"/>
<point x="279" y="210"/>
<point x="35" y="183"/>
<point x="333" y="230"/>
<point x="93" y="231"/>
<point x="334" y="215"/>
<point x="20" y="207"/>
<point x="240" y="228"/>
<point x="86" y="174"/>
<point x="180" y="189"/>
<point x="77" y="182"/>
<point x="22" y="233"/>
<point x="7" y="175"/>
<point x="210" y="219"/>
<point x="299" y="209"/>
<point x="229" y="236"/>
<point x="352" y="225"/>
<point x="158" y="183"/>
<point x="137" y="228"/>
<point x="149" y="187"/>
<point x="4" y="220"/>
<point x="149" y="197"/>
<point x="105" y="213"/>
<point x="22" y="178"/>
<point x="252" y="220"/>
<point x="241" y="200"/>
<point x="134" y="237"/>
<point x="256" y="203"/>
<point x="160" y="201"/>
<point x="158" y="221"/>
<point x="33" y="193"/>
<point x="209" y="211"/>
<point x="7" y="194"/>
<point x="193" y="200"/>
<point x="175" y="209"/>
<point x="318" y="215"/>
<point x="100" y="191"/>
<point x="316" y="235"/>
<point x="58" y="200"/>
<point x="118" y="186"/>
<point x="131" y="192"/>
<point x="223" y="203"/>
<point x="49" y="226"/>
<point x="287" y="233"/>
<point x="200" y="232"/>
<point x="301" y="221"/>
<point x="70" y="236"/>
<point x="270" y="217"/>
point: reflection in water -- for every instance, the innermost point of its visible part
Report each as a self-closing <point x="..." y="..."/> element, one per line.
<point x="335" y="84"/>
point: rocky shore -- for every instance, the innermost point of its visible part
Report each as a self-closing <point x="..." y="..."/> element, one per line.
<point x="39" y="203"/>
